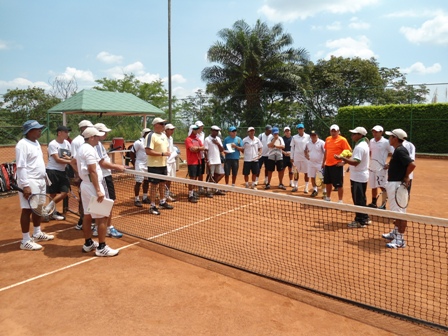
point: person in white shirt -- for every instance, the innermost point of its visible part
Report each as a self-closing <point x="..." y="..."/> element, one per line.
<point x="265" y="138"/>
<point x="108" y="183"/>
<point x="30" y="178"/>
<point x="275" y="158"/>
<point x="139" y="151"/>
<point x="314" y="153"/>
<point x="252" y="148"/>
<point x="201" y="136"/>
<point x="59" y="156"/>
<point x="213" y="149"/>
<point x="379" y="151"/>
<point x="171" y="161"/>
<point x="75" y="145"/>
<point x="359" y="174"/>
<point x="411" y="149"/>
<point x="298" y="159"/>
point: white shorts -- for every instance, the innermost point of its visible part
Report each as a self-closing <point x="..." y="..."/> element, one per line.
<point x="216" y="169"/>
<point x="140" y="166"/>
<point x="38" y="186"/>
<point x="313" y="168"/>
<point x="87" y="191"/>
<point x="302" y="166"/>
<point x="390" y="189"/>
<point x="378" y="179"/>
<point x="171" y="169"/>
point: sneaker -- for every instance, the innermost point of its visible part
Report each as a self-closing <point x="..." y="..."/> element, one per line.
<point x="340" y="201"/>
<point x="355" y="224"/>
<point x="154" y="211"/>
<point x="372" y="205"/>
<point x="30" y="245"/>
<point x="94" y="231"/>
<point x="382" y="207"/>
<point x="58" y="216"/>
<point x="324" y="193"/>
<point x="389" y="236"/>
<point x="328" y="199"/>
<point x="165" y="206"/>
<point x="267" y="186"/>
<point x="209" y="195"/>
<point x="396" y="243"/>
<point x="106" y="251"/>
<point x="281" y="186"/>
<point x="256" y="183"/>
<point x="247" y="185"/>
<point x="220" y="193"/>
<point x="170" y="199"/>
<point x="146" y="201"/>
<point x="42" y="236"/>
<point x="87" y="249"/>
<point x="138" y="204"/>
<point x="314" y="193"/>
<point x="114" y="233"/>
<point x="79" y="225"/>
<point x="192" y="199"/>
<point x="45" y="218"/>
<point x="305" y="191"/>
<point x="294" y="189"/>
<point x="253" y="187"/>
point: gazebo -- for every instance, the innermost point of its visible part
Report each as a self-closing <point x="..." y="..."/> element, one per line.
<point x="105" y="103"/>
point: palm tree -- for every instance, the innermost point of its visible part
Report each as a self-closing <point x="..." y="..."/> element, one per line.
<point x="253" y="62"/>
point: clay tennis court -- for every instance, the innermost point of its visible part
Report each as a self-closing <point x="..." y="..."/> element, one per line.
<point x="150" y="289"/>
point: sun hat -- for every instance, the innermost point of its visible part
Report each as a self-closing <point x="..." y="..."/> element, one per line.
<point x="398" y="132"/>
<point x="359" y="130"/>
<point x="31" y="124"/>
<point x="90" y="132"/>
<point x="101" y="127"/>
<point x="85" y="123"/>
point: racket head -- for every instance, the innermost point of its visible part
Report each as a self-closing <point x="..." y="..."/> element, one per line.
<point x="257" y="157"/>
<point x="376" y="166"/>
<point x="402" y="196"/>
<point x="319" y="178"/>
<point x="41" y="204"/>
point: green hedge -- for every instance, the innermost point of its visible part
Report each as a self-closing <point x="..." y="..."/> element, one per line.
<point x="426" y="125"/>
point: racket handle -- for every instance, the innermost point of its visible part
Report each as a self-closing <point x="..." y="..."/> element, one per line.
<point x="16" y="187"/>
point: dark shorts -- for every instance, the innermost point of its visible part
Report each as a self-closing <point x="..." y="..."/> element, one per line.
<point x="157" y="170"/>
<point x="251" y="166"/>
<point x="271" y="165"/>
<point x="109" y="188"/>
<point x="287" y="162"/>
<point x="334" y="175"/>
<point x="59" y="182"/>
<point x="231" y="165"/>
<point x="195" y="170"/>
<point x="262" y="161"/>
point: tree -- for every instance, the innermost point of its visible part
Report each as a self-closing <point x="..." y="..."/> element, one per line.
<point x="252" y="62"/>
<point x="63" y="88"/>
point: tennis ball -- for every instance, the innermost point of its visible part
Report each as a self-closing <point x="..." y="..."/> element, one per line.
<point x="346" y="153"/>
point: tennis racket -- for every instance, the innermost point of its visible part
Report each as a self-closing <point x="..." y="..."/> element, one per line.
<point x="319" y="178"/>
<point x="376" y="166"/>
<point x="257" y="157"/>
<point x="402" y="196"/>
<point x="380" y="201"/>
<point x="40" y="204"/>
<point x="295" y="172"/>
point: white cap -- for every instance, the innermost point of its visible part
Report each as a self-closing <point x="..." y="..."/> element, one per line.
<point x="378" y="128"/>
<point x="170" y="126"/>
<point x="90" y="132"/>
<point x="85" y="123"/>
<point x="215" y="128"/>
<point x="286" y="128"/>
<point x="359" y="130"/>
<point x="101" y="127"/>
<point x="199" y="123"/>
<point x="145" y="130"/>
<point x="334" y="127"/>
<point x="158" y="121"/>
<point x="250" y="129"/>
<point x="399" y="133"/>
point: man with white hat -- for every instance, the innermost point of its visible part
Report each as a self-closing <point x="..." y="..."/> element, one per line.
<point x="76" y="143"/>
<point x="359" y="174"/>
<point x="379" y="151"/>
<point x="298" y="159"/>
<point x="171" y="161"/>
<point x="140" y="164"/>
<point x="89" y="170"/>
<point x="400" y="167"/>
<point x="157" y="149"/>
<point x="252" y="148"/>
<point x="213" y="149"/>
<point x="31" y="178"/>
<point x="200" y="134"/>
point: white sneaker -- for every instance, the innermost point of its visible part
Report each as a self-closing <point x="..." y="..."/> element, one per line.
<point x="389" y="236"/>
<point x="396" y="243"/>
<point x="106" y="252"/>
<point x="30" y="245"/>
<point x="328" y="199"/>
<point x="95" y="231"/>
<point x="247" y="185"/>
<point x="42" y="236"/>
<point x="90" y="248"/>
<point x="57" y="216"/>
<point x="256" y="183"/>
<point x="340" y="202"/>
<point x="305" y="191"/>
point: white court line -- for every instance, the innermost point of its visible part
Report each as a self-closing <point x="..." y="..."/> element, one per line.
<point x="205" y="219"/>
<point x="59" y="270"/>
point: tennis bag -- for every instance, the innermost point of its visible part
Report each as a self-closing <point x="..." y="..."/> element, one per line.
<point x="7" y="176"/>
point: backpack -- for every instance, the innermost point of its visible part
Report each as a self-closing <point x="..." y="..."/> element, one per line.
<point x="7" y="176"/>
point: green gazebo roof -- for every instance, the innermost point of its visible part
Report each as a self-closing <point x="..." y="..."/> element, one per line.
<point x="105" y="102"/>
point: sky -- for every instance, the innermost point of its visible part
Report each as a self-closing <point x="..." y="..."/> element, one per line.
<point x="90" y="40"/>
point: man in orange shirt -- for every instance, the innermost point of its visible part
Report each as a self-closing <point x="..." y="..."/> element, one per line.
<point x="334" y="168"/>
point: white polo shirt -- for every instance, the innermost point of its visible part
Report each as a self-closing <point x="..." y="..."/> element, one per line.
<point x="213" y="153"/>
<point x="251" y="147"/>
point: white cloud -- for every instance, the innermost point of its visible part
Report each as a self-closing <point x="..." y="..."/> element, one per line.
<point x="433" y="31"/>
<point x="420" y="69"/>
<point x="412" y="14"/>
<point x="177" y="78"/>
<point x="79" y="75"/>
<point x="287" y="10"/>
<point x="105" y="57"/>
<point x="350" y="47"/>
<point x="181" y="92"/>
<point x="21" y="83"/>
<point x="3" y="45"/>
<point x="334" y="26"/>
<point x="356" y="24"/>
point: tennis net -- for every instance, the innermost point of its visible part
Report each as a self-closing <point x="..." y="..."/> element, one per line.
<point x="301" y="241"/>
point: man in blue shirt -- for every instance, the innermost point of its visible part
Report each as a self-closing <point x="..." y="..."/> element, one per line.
<point x="232" y="146"/>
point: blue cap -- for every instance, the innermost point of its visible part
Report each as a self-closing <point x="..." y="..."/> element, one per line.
<point x="275" y="130"/>
<point x="300" y="126"/>
<point x="232" y="128"/>
<point x="31" y="124"/>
